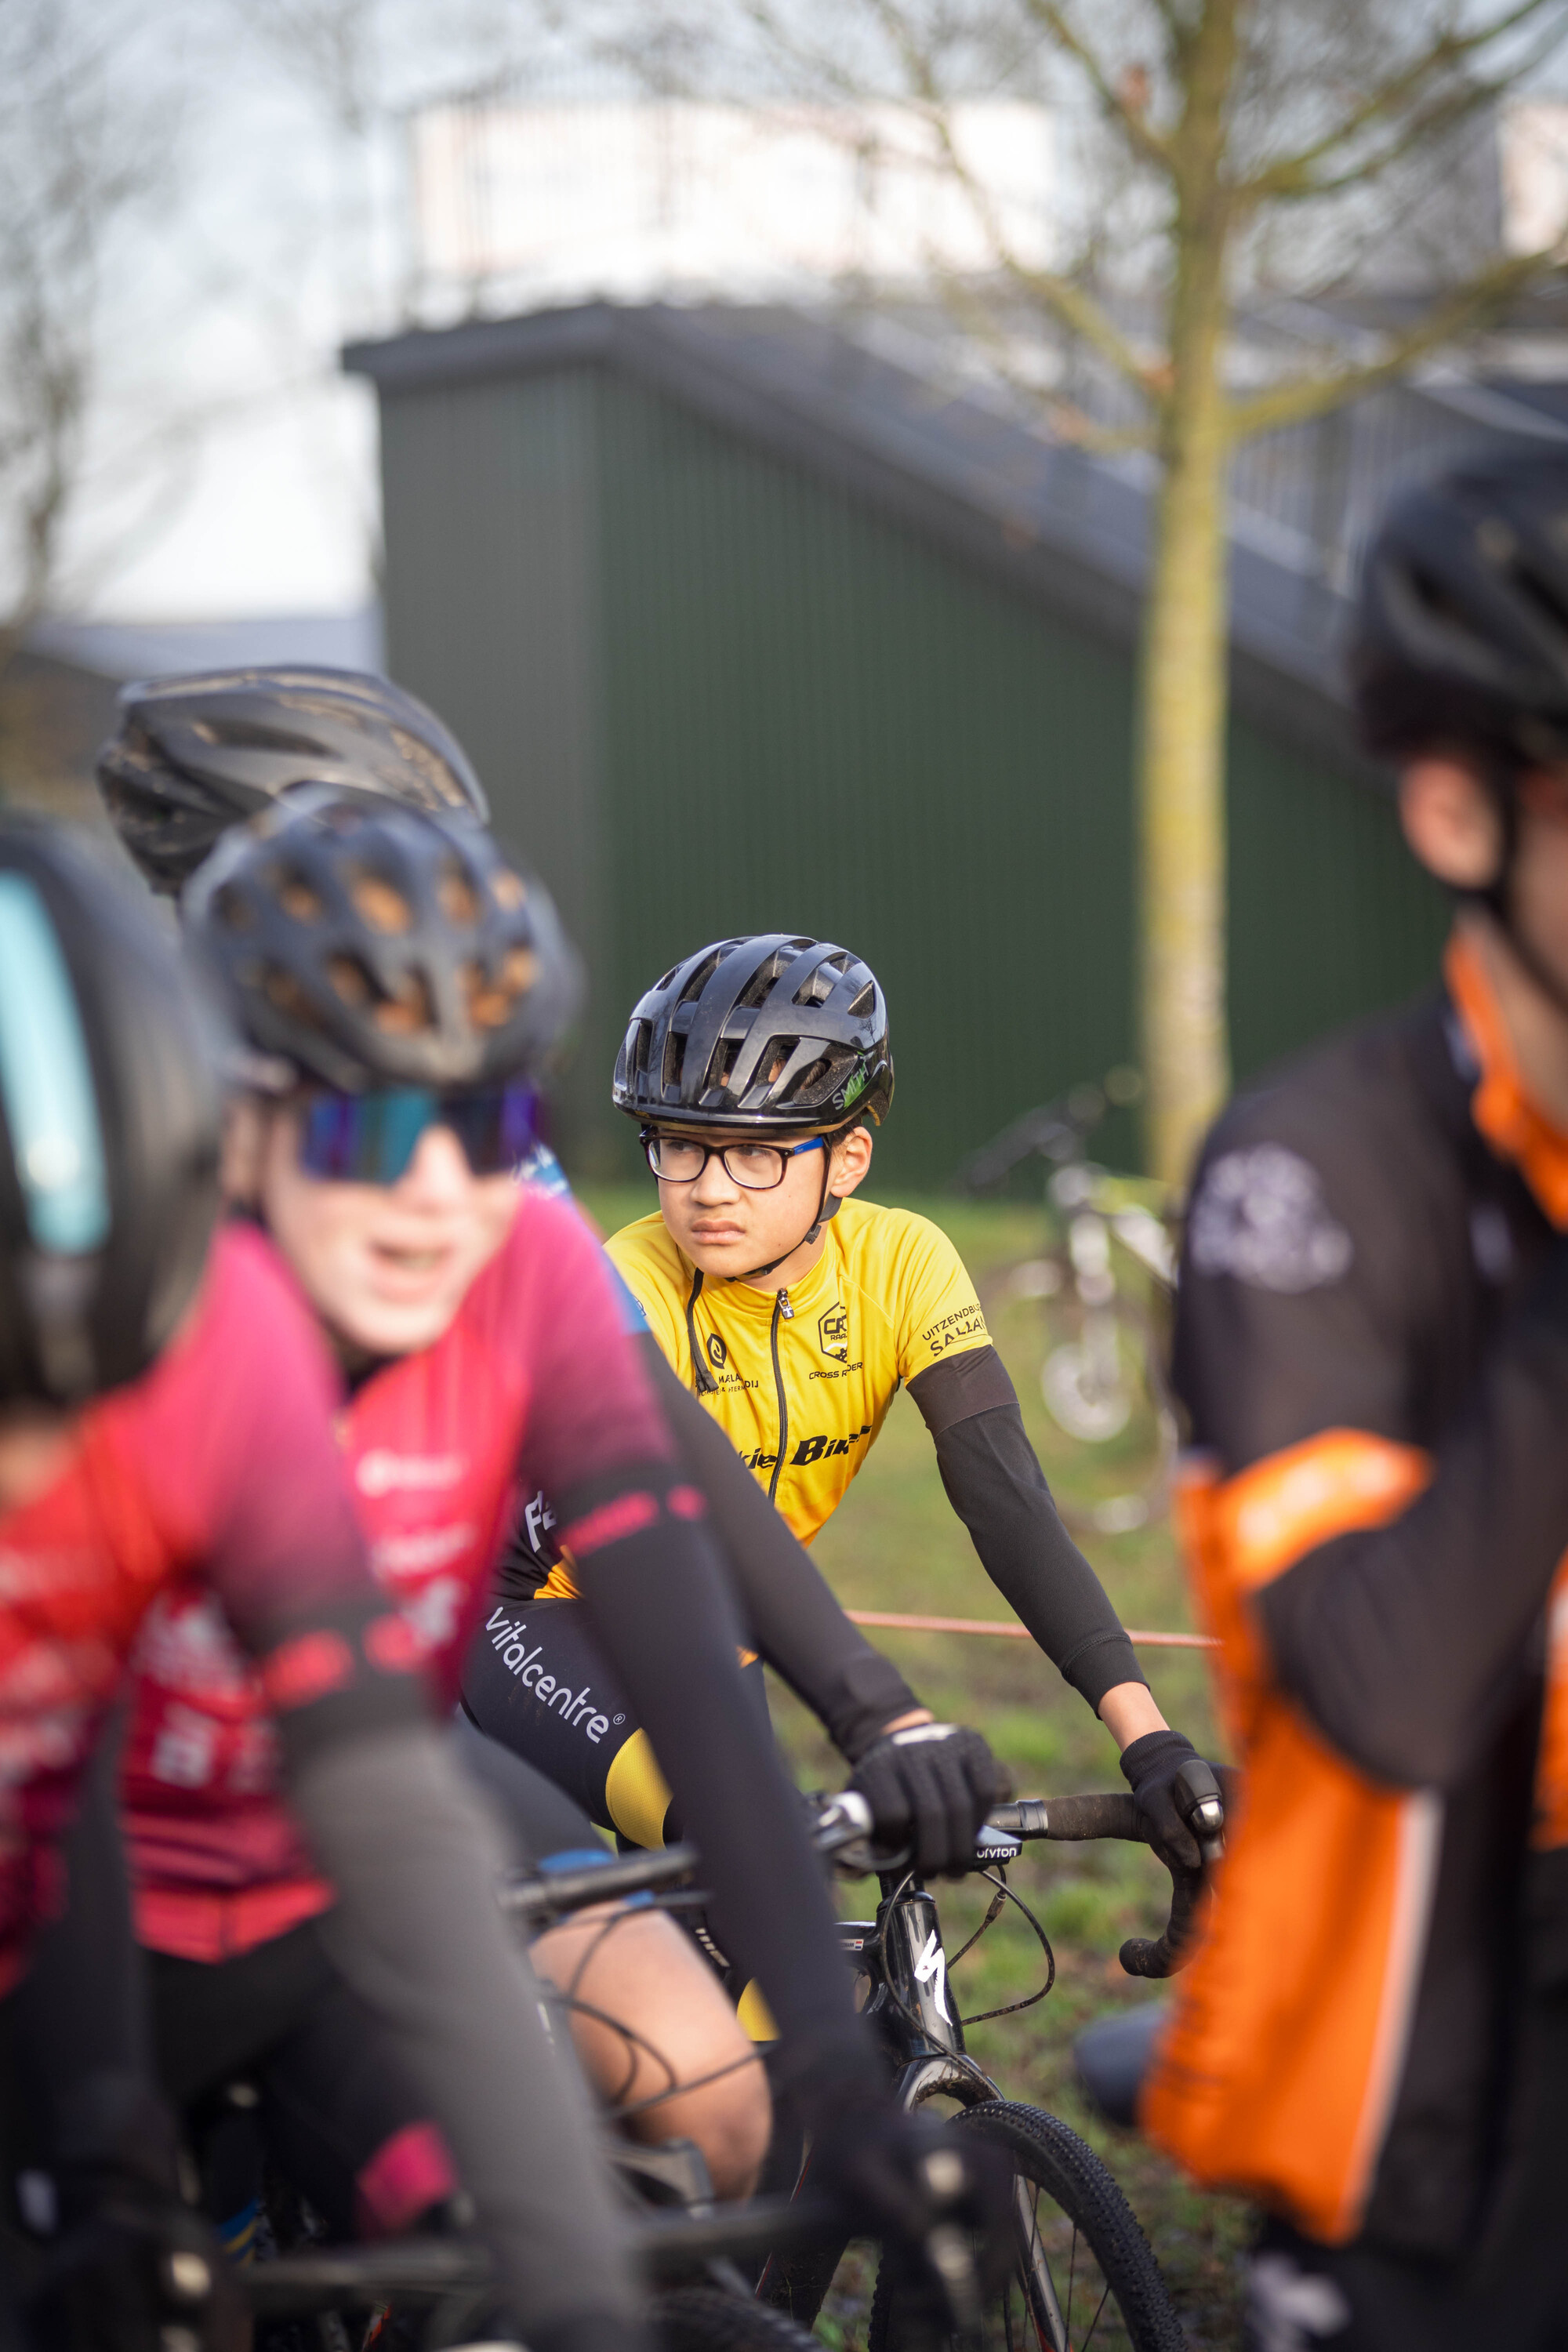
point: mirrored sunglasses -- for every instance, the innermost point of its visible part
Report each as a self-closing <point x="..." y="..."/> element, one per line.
<point x="371" y="1138"/>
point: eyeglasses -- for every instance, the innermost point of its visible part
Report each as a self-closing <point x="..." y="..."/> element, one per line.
<point x="755" y="1167"/>
<point x="371" y="1138"/>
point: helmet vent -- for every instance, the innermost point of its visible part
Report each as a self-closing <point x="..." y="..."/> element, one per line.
<point x="698" y="981"/>
<point x="674" y="1059"/>
<point x="817" y="989"/>
<point x="809" y="1080"/>
<point x="298" y="899"/>
<point x="235" y="910"/>
<point x="406" y="1014"/>
<point x="382" y="906"/>
<point x="350" y="980"/>
<point x="456" y="897"/>
<point x="492" y="1003"/>
<point x="760" y="986"/>
<point x="865" y="1002"/>
<point x="242" y="736"/>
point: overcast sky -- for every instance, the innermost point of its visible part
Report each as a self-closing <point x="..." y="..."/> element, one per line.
<point x="232" y="471"/>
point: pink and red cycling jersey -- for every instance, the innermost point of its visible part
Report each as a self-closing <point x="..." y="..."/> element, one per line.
<point x="218" y="1465"/>
<point x="534" y="1384"/>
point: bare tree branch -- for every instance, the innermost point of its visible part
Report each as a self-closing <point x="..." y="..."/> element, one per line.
<point x="1294" y="176"/>
<point x="1460" y="312"/>
<point x="1072" y="304"/>
<point x="1131" y="120"/>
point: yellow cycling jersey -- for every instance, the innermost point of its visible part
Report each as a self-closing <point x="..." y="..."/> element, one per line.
<point x="802" y="1379"/>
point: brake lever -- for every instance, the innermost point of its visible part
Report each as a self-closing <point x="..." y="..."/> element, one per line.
<point x="841" y="1831"/>
<point x="1200" y="1801"/>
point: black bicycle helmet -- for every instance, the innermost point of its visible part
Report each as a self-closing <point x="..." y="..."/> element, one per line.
<point x="767" y="1032"/>
<point x="1461" y="631"/>
<point x="196" y="754"/>
<point x="372" y="946"/>
<point x="108" y="1124"/>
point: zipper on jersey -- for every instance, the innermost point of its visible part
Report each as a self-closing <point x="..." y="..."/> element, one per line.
<point x="781" y="1308"/>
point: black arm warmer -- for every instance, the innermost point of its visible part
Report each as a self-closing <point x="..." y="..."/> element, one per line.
<point x="665" y="1617"/>
<point x="1405" y="1642"/>
<point x="998" y="1489"/>
<point x="791" y="1616"/>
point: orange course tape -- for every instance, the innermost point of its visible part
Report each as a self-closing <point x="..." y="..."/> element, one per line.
<point x="1013" y="1632"/>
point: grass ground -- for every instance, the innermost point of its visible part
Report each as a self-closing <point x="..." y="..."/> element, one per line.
<point x="895" y="1544"/>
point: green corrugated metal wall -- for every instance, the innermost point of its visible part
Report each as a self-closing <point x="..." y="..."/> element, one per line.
<point x="710" y="694"/>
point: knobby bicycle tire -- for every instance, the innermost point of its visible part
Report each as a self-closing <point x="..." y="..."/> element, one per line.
<point x="712" y="2319"/>
<point x="1109" y="2288"/>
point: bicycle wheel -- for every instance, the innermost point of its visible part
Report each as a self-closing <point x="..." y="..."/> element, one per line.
<point x="1084" y="2279"/>
<point x="1100" y="1382"/>
<point x="712" y="2319"/>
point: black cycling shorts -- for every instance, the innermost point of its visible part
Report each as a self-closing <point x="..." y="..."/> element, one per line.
<point x="537" y="1682"/>
<point x="335" y="2112"/>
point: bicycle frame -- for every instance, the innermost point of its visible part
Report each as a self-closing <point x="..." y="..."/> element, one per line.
<point x="901" y="1954"/>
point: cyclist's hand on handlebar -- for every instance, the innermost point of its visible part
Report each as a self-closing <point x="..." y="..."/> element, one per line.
<point x="138" y="2273"/>
<point x="1151" y="1767"/>
<point x="944" y="2199"/>
<point x="929" y="1788"/>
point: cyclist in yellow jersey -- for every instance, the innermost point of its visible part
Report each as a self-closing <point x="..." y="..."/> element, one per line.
<point x="796" y="1312"/>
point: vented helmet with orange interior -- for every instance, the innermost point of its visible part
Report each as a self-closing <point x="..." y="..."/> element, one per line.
<point x="370" y="947"/>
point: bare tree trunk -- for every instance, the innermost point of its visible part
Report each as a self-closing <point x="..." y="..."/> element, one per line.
<point x="1182" y="701"/>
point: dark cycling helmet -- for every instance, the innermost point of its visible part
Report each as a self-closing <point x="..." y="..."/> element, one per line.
<point x="765" y="1032"/>
<point x="108" y="1124"/>
<point x="372" y="946"/>
<point x="1461" y="632"/>
<point x="196" y="754"/>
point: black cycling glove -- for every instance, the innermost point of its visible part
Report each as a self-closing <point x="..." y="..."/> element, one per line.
<point x="929" y="1788"/>
<point x="140" y="2274"/>
<point x="942" y="2198"/>
<point x="1149" y="1767"/>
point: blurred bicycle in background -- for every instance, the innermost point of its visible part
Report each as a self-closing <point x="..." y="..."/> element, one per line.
<point x="1104" y="1284"/>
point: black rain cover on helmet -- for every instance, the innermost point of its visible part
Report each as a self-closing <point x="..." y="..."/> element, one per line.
<point x="1461" y="631"/>
<point x="372" y="946"/>
<point x="764" y="1032"/>
<point x="198" y="753"/>
<point x="108" y="1124"/>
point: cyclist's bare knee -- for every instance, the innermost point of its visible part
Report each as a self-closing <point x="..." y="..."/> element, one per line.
<point x="676" y="2041"/>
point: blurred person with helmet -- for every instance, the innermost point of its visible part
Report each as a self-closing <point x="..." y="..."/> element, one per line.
<point x="166" y="1417"/>
<point x="194" y="755"/>
<point x="756" y="1068"/>
<point x="398" y="984"/>
<point x="189" y="752"/>
<point x="1372" y="1349"/>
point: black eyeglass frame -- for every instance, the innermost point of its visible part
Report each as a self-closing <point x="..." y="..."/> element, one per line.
<point x="651" y="1138"/>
